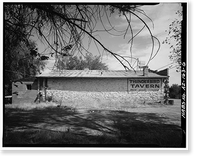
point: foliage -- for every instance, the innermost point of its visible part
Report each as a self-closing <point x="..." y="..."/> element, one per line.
<point x="175" y="91"/>
<point x="174" y="40"/>
<point x="61" y="25"/>
<point x="21" y="57"/>
<point x="78" y="63"/>
<point x="20" y="61"/>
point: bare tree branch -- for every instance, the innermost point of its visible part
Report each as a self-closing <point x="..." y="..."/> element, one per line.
<point x="61" y="25"/>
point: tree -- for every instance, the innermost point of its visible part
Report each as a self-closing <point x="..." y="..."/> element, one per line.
<point x="20" y="61"/>
<point x="174" y="40"/>
<point x="94" y="63"/>
<point x="61" y="25"/>
<point x="78" y="63"/>
<point x="21" y="57"/>
<point x="175" y="91"/>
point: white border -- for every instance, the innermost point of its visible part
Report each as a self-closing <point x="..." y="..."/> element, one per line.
<point x="94" y="148"/>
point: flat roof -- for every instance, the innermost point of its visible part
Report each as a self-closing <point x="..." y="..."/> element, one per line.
<point x="98" y="74"/>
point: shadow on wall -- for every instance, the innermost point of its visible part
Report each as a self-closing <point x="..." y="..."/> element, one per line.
<point x="67" y="127"/>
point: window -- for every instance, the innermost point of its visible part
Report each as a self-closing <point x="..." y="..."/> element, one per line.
<point x="28" y="86"/>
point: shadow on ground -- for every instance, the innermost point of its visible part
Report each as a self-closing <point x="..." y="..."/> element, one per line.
<point x="63" y="126"/>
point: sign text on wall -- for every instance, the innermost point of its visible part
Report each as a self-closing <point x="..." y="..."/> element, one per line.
<point x="144" y="84"/>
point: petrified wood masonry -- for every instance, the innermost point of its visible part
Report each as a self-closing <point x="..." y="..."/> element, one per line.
<point x="97" y="88"/>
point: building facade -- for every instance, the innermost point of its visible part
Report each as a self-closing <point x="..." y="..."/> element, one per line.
<point x="92" y="88"/>
<point x="97" y="88"/>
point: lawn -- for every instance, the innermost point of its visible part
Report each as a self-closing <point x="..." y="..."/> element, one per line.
<point x="150" y="125"/>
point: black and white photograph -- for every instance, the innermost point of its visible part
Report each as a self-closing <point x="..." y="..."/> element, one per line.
<point x="100" y="75"/>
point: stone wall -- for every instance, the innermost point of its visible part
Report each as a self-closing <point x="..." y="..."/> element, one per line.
<point x="103" y="99"/>
<point x="87" y="92"/>
<point x="104" y="92"/>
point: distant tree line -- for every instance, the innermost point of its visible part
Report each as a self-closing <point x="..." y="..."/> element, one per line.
<point x="80" y="63"/>
<point x="175" y="91"/>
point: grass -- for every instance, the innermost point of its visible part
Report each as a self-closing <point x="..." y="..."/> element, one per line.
<point x="49" y="125"/>
<point x="29" y="106"/>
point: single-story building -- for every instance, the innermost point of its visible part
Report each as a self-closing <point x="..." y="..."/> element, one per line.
<point x="93" y="88"/>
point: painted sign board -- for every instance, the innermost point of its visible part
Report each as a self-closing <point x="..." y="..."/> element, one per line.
<point x="144" y="84"/>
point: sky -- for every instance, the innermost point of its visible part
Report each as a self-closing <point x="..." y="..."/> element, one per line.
<point x="161" y="15"/>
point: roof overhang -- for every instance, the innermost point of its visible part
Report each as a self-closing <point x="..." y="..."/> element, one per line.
<point x="98" y="74"/>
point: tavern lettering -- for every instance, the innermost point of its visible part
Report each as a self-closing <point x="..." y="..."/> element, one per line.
<point x="144" y="84"/>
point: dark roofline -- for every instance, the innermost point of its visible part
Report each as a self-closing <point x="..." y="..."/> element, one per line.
<point x="111" y="77"/>
<point x="164" y="72"/>
<point x="106" y="77"/>
<point x="30" y="79"/>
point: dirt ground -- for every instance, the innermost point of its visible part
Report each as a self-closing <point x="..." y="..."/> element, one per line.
<point x="148" y="124"/>
<point x="172" y="113"/>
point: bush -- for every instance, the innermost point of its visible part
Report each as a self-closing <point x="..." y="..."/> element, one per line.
<point x="49" y="98"/>
<point x="175" y="91"/>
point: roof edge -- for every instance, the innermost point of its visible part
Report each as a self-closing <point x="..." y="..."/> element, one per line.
<point x="100" y="74"/>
